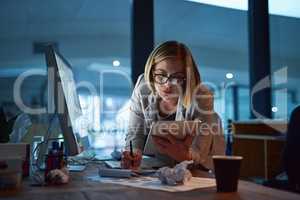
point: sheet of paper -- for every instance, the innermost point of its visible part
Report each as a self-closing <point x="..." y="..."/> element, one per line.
<point x="154" y="183"/>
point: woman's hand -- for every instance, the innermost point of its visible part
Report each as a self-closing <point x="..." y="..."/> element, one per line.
<point x="179" y="150"/>
<point x="131" y="162"/>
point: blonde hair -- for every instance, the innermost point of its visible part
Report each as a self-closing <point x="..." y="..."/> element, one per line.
<point x="174" y="49"/>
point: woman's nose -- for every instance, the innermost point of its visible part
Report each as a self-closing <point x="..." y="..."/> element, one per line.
<point x="168" y="85"/>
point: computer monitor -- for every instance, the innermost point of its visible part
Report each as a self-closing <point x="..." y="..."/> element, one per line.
<point x="63" y="100"/>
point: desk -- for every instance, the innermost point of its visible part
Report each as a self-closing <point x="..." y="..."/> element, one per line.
<point x="262" y="154"/>
<point x="82" y="187"/>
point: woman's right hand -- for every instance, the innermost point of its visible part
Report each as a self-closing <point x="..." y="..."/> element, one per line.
<point x="129" y="161"/>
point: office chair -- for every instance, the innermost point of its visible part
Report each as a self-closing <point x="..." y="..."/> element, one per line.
<point x="291" y="158"/>
<point x="5" y="126"/>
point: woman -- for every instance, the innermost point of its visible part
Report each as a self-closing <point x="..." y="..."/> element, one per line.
<point x="171" y="89"/>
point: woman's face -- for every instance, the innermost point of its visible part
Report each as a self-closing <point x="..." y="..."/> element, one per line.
<point x="169" y="78"/>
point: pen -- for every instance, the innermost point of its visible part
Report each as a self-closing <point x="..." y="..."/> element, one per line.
<point x="131" y="152"/>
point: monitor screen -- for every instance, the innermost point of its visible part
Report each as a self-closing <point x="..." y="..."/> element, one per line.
<point x="63" y="98"/>
<point x="69" y="90"/>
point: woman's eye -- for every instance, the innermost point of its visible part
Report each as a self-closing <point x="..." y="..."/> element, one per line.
<point x="161" y="77"/>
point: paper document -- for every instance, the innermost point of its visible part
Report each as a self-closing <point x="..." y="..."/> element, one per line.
<point x="153" y="183"/>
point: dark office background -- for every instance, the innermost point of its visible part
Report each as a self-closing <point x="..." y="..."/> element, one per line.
<point x="92" y="34"/>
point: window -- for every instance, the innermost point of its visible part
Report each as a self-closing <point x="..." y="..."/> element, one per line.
<point x="94" y="36"/>
<point x="218" y="39"/>
<point x="285" y="61"/>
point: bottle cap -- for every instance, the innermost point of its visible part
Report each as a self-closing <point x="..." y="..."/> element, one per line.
<point x="55" y="145"/>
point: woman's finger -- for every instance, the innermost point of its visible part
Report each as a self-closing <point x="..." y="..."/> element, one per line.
<point x="125" y="163"/>
<point x="137" y="156"/>
<point x="172" y="139"/>
<point x="188" y="140"/>
<point x="131" y="162"/>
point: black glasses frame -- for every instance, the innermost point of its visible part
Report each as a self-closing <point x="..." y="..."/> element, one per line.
<point x="173" y="79"/>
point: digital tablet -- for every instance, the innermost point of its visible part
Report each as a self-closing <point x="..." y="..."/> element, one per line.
<point x="179" y="129"/>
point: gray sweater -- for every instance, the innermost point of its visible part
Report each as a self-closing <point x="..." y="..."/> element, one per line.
<point x="144" y="111"/>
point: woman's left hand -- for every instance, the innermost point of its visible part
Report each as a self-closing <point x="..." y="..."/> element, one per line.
<point x="179" y="150"/>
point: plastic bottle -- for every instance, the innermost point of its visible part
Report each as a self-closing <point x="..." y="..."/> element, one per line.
<point x="61" y="156"/>
<point x="49" y="164"/>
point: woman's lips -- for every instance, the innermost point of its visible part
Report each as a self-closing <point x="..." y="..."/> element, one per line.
<point x="167" y="92"/>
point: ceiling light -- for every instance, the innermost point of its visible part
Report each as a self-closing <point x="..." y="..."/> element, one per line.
<point x="274" y="109"/>
<point x="116" y="63"/>
<point x="229" y="75"/>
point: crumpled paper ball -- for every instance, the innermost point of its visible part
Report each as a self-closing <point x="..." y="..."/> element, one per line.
<point x="175" y="176"/>
<point x="58" y="176"/>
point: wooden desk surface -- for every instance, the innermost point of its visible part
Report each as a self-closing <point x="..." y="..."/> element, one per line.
<point x="259" y="137"/>
<point x="86" y="186"/>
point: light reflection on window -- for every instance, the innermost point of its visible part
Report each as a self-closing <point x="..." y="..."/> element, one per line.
<point x="110" y="131"/>
<point x="288" y="8"/>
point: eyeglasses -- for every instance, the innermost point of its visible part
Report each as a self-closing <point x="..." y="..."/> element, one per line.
<point x="174" y="79"/>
